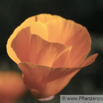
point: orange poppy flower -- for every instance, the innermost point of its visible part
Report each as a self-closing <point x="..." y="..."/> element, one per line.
<point x="11" y="86"/>
<point x="49" y="50"/>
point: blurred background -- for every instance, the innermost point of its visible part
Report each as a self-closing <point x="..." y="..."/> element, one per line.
<point x="86" y="12"/>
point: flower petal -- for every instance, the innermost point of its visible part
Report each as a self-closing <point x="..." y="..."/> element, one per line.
<point x="44" y="18"/>
<point x="63" y="60"/>
<point x="10" y="50"/>
<point x="20" y="45"/>
<point x="45" y="53"/>
<point x="70" y="33"/>
<point x="89" y="60"/>
<point x="34" y="76"/>
<point x="39" y="29"/>
<point x="45" y="81"/>
<point x="27" y="23"/>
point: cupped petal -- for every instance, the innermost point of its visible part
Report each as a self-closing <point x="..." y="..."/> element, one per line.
<point x="44" y="18"/>
<point x="20" y="45"/>
<point x="63" y="60"/>
<point x="10" y="50"/>
<point x="46" y="53"/>
<point x="89" y="60"/>
<point x="35" y="77"/>
<point x="36" y="27"/>
<point x="45" y="81"/>
<point x="39" y="29"/>
<point x="70" y="33"/>
<point x="27" y="23"/>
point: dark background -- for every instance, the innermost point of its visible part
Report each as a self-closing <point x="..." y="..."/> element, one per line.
<point x="86" y="12"/>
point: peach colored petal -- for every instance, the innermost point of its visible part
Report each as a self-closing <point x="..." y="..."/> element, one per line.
<point x="11" y="86"/>
<point x="70" y="33"/>
<point x="66" y="75"/>
<point x="63" y="60"/>
<point x="11" y="53"/>
<point x="34" y="76"/>
<point x="45" y="53"/>
<point x="44" y="81"/>
<point x="89" y="60"/>
<point x="27" y="23"/>
<point x="39" y="29"/>
<point x="44" y="18"/>
<point x="10" y="50"/>
<point x="21" y="44"/>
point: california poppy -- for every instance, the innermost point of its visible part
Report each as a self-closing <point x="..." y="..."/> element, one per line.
<point x="11" y="86"/>
<point x="49" y="50"/>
